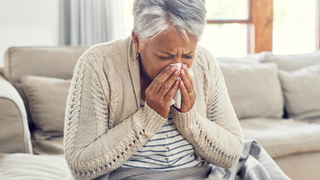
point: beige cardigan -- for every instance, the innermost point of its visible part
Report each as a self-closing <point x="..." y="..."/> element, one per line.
<point x="104" y="124"/>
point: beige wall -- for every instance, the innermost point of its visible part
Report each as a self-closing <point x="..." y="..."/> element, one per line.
<point x="28" y="23"/>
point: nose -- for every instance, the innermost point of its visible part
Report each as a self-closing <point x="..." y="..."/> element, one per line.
<point x="178" y="59"/>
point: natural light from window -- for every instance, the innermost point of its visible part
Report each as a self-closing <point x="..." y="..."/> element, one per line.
<point x="294" y="26"/>
<point x="219" y="39"/>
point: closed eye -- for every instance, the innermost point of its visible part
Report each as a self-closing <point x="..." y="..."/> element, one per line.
<point x="187" y="57"/>
<point x="164" y="58"/>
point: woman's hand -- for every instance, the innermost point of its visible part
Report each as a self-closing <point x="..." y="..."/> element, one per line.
<point x="187" y="90"/>
<point x="162" y="89"/>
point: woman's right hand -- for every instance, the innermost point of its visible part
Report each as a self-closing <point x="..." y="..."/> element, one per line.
<point x="162" y="89"/>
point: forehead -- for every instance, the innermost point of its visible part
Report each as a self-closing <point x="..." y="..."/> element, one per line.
<point x="172" y="40"/>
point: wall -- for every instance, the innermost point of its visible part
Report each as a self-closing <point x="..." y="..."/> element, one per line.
<point x="28" y="23"/>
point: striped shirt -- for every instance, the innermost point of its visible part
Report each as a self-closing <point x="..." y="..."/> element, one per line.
<point x="166" y="150"/>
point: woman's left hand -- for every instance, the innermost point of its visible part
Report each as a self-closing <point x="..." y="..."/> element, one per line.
<point x="187" y="90"/>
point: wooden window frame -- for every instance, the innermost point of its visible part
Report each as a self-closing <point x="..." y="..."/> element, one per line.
<point x="259" y="23"/>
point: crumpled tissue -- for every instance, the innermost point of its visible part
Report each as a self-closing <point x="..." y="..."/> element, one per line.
<point x="177" y="98"/>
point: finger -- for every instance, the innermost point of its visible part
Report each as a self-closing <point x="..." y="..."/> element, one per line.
<point x="172" y="91"/>
<point x="187" y="73"/>
<point x="186" y="81"/>
<point x="184" y="93"/>
<point x="160" y="74"/>
<point x="162" y="78"/>
<point x="168" y="84"/>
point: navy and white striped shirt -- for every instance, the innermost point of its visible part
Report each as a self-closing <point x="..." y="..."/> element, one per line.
<point x="166" y="150"/>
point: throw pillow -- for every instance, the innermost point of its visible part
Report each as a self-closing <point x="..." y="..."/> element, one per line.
<point x="254" y="89"/>
<point x="301" y="90"/>
<point x="293" y="62"/>
<point x="47" y="100"/>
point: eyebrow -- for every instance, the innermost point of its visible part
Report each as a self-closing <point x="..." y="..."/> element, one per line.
<point x="173" y="55"/>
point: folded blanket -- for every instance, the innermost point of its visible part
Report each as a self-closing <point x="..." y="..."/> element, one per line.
<point x="254" y="164"/>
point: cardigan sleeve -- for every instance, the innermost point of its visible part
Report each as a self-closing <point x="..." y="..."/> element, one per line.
<point x="218" y="137"/>
<point x="91" y="147"/>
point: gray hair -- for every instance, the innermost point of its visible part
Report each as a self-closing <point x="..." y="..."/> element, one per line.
<point x="152" y="17"/>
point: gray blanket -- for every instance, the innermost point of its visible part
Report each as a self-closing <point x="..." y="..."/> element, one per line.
<point x="254" y="164"/>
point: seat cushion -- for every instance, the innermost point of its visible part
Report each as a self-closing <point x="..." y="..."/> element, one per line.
<point x="47" y="145"/>
<point x="254" y="89"/>
<point x="280" y="137"/>
<point x="26" y="166"/>
<point x="293" y="165"/>
<point x="301" y="89"/>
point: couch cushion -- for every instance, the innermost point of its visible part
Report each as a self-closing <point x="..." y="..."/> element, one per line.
<point x="259" y="56"/>
<point x="301" y="90"/>
<point x="42" y="144"/>
<point x="293" y="62"/>
<point x="47" y="100"/>
<point x="26" y="166"/>
<point x="237" y="60"/>
<point x="254" y="89"/>
<point x="280" y="137"/>
<point x="310" y="163"/>
<point x="57" y="62"/>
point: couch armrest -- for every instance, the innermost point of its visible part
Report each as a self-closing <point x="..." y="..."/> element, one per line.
<point x="14" y="131"/>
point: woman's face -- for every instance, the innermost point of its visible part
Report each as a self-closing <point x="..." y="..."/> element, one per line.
<point x="167" y="48"/>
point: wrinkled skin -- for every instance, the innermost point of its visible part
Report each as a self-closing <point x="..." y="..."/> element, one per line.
<point x="157" y="79"/>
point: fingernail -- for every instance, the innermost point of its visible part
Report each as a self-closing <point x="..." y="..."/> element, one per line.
<point x="177" y="82"/>
<point x="167" y="67"/>
<point x="182" y="72"/>
<point x="184" y="66"/>
<point x="173" y="68"/>
<point x="177" y="72"/>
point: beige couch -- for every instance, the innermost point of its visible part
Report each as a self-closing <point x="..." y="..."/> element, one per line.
<point x="271" y="105"/>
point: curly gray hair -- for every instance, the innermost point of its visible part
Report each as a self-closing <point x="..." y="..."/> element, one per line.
<point x="151" y="17"/>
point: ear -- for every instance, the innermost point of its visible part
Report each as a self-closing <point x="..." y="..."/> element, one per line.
<point x="136" y="41"/>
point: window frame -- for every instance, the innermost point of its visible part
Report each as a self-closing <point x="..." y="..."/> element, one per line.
<point x="259" y="23"/>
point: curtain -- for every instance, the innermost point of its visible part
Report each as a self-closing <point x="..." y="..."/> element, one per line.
<point x="89" y="22"/>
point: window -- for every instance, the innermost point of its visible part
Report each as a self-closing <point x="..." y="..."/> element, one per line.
<point x="294" y="26"/>
<point x="237" y="27"/>
<point x="225" y="40"/>
<point x="222" y="38"/>
<point x="127" y="6"/>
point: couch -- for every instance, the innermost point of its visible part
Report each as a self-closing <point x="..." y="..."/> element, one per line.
<point x="275" y="97"/>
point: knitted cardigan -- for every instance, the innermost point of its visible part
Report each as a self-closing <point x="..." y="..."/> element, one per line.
<point x="104" y="124"/>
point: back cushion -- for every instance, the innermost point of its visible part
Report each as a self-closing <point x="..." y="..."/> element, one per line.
<point x="57" y="62"/>
<point x="301" y="89"/>
<point x="293" y="62"/>
<point x="254" y="89"/>
<point x="47" y="101"/>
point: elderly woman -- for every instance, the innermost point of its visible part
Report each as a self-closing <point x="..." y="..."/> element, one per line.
<point x="119" y="118"/>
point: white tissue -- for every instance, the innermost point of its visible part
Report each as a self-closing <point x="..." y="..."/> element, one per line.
<point x="177" y="98"/>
